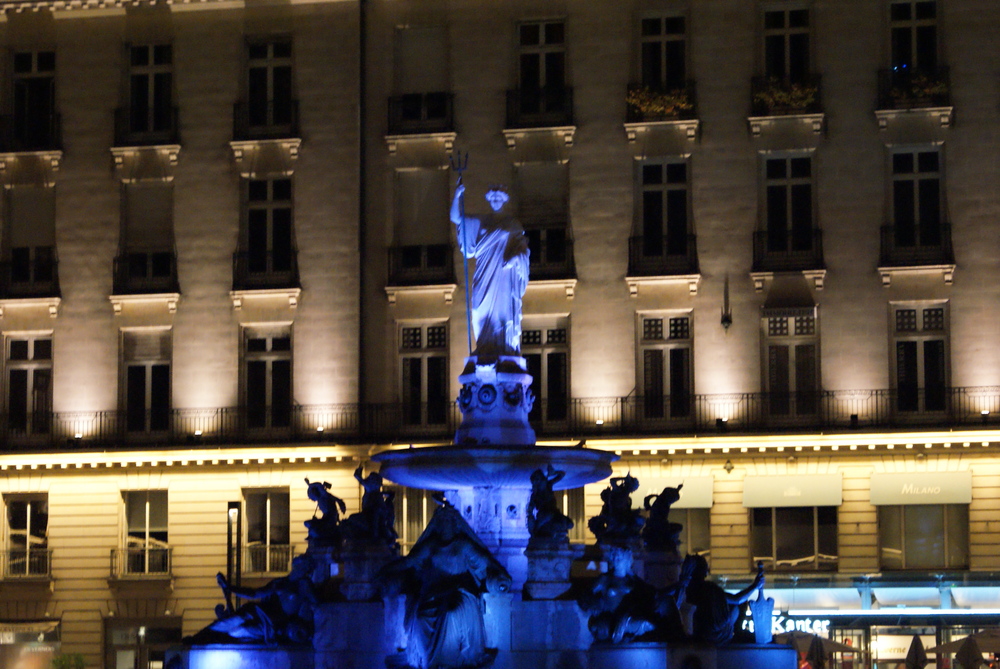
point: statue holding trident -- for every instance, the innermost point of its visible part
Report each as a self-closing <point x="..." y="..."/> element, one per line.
<point x="496" y="396"/>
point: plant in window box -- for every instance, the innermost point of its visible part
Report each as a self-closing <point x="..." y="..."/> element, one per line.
<point x="781" y="97"/>
<point x="920" y="90"/>
<point x="69" y="661"/>
<point x="648" y="104"/>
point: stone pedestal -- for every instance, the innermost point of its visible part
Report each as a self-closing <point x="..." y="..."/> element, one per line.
<point x="360" y="563"/>
<point x="495" y="401"/>
<point x="661" y="568"/>
<point x="548" y="571"/>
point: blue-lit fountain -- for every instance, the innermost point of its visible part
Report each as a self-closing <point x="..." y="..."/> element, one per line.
<point x="488" y="581"/>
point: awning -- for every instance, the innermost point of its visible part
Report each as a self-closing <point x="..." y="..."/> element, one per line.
<point x="793" y="490"/>
<point x="921" y="488"/>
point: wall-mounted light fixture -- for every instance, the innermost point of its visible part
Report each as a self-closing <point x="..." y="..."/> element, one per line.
<point x="728" y="466"/>
<point x="727" y="312"/>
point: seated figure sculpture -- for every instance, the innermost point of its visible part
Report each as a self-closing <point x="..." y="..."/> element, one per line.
<point x="547" y="524"/>
<point x="618" y="523"/>
<point x="622" y="606"/>
<point x="374" y="523"/>
<point x="659" y="534"/>
<point x="443" y="580"/>
<point x="324" y="531"/>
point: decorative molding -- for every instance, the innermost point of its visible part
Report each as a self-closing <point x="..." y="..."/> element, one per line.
<point x="941" y="116"/>
<point x="50" y="304"/>
<point x="142" y="163"/>
<point x="515" y="135"/>
<point x="691" y="280"/>
<point x="446" y="139"/>
<point x="568" y="285"/>
<point x="759" y="124"/>
<point x="170" y="300"/>
<point x="817" y="276"/>
<point x="241" y="296"/>
<point x="258" y="158"/>
<point x="687" y="127"/>
<point x="947" y="272"/>
<point x="29" y="168"/>
<point x="447" y="291"/>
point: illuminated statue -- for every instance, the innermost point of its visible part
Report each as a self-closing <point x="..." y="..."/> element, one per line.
<point x="659" y="534"/>
<point x="547" y="524"/>
<point x="324" y="531"/>
<point x="622" y="606"/>
<point x="497" y="243"/>
<point x="618" y="523"/>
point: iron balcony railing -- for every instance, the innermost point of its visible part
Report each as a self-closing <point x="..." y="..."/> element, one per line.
<point x="274" y="119"/>
<point x="912" y="245"/>
<point x="759" y="412"/>
<point x="905" y="88"/>
<point x="141" y="130"/>
<point x="262" y="270"/>
<point x="787" y="250"/>
<point x="30" y="275"/>
<point x="27" y="563"/>
<point x="34" y="132"/>
<point x="145" y="271"/>
<point x="776" y="96"/>
<point x="267" y="559"/>
<point x="662" y="256"/>
<point x="140" y="562"/>
<point x="551" y="254"/>
<point x="421" y="265"/>
<point x="416" y="113"/>
<point x="550" y="106"/>
<point x="660" y="103"/>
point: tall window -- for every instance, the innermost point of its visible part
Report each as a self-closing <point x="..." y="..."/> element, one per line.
<point x="794" y="538"/>
<point x="543" y="210"/>
<point x="30" y="244"/>
<point x="791" y="352"/>
<point x="786" y="45"/>
<point x="924" y="536"/>
<point x="664" y="213"/>
<point x="146" y="369"/>
<point x="267" y="526"/>
<point x="267" y="370"/>
<point x="269" y="84"/>
<point x="913" y="31"/>
<point x="696" y="532"/>
<point x="917" y="199"/>
<point x="35" y="123"/>
<point x="269" y="255"/>
<point x="146" y="262"/>
<point x="665" y="365"/>
<point x="27" y="536"/>
<point x="542" y="66"/>
<point x="789" y="204"/>
<point x="423" y="100"/>
<point x="422" y="252"/>
<point x="423" y="354"/>
<point x="150" y="89"/>
<point x="29" y="384"/>
<point x="921" y="356"/>
<point x="662" y="53"/>
<point x="146" y="548"/>
<point x="545" y="347"/>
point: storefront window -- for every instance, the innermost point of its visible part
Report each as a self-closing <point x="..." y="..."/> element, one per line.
<point x="924" y="536"/>
<point x="796" y="538"/>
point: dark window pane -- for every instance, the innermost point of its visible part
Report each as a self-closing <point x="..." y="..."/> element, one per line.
<point x="557" y="391"/>
<point x="18" y="349"/>
<point x="907" y="383"/>
<point x="653" y="382"/>
<point x="281" y="393"/>
<point x="801" y="168"/>
<point x="776" y="168"/>
<point x="46" y="61"/>
<point x="798" y="18"/>
<point x="927" y="161"/>
<point x="139" y="56"/>
<point x="676" y="173"/>
<point x="135" y="398"/>
<point x="159" y="397"/>
<point x="555" y="33"/>
<point x="281" y="344"/>
<point x="530" y="34"/>
<point x="162" y="54"/>
<point x="674" y="25"/>
<point x="902" y="163"/>
<point x="437" y="390"/>
<point x="282" y="49"/>
<point x="650" y="27"/>
<point x="257" y="190"/>
<point x="43" y="349"/>
<point x="256" y="393"/>
<point x="256" y="345"/>
<point x="935" y="393"/>
<point x="680" y="382"/>
<point x="17" y="399"/>
<point x="774" y="20"/>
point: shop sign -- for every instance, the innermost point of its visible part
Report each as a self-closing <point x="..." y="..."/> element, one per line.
<point x="793" y="490"/>
<point x="921" y="488"/>
<point x="782" y="623"/>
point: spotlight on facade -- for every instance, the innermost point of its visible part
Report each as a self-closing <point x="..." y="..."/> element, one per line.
<point x="854" y="421"/>
<point x="721" y="424"/>
<point x="600" y="422"/>
<point x="985" y="414"/>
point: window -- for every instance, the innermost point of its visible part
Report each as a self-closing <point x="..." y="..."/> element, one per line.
<point x="146" y="370"/>
<point x="662" y="53"/>
<point x="786" y="45"/>
<point x="268" y="548"/>
<point x="917" y="200"/>
<point x="543" y="210"/>
<point x="146" y="549"/>
<point x="268" y="259"/>
<point x="422" y="102"/>
<point x="151" y="109"/>
<point x="545" y="347"/>
<point x="267" y="373"/>
<point x="422" y="253"/>
<point x="665" y="365"/>
<point x="791" y="349"/>
<point x="696" y="532"/>
<point x="35" y="122"/>
<point x="920" y="333"/>
<point x="139" y="643"/>
<point x="146" y="263"/>
<point x="29" y="384"/>
<point x="913" y="31"/>
<point x="30" y="245"/>
<point x="924" y="536"/>
<point x="788" y="204"/>
<point x="413" y="508"/>
<point x="664" y="212"/>
<point x="423" y="353"/>
<point x="27" y="536"/>
<point x="269" y="86"/>
<point x="542" y="66"/>
<point x="794" y="538"/>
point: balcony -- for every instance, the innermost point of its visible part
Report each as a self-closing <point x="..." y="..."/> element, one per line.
<point x="551" y="254"/>
<point x="773" y="96"/>
<point x="787" y="250"/>
<point x="138" y="130"/>
<point x="29" y="133"/>
<point x="267" y="559"/>
<point x="275" y="119"/>
<point x="549" y="107"/>
<point x="146" y="271"/>
<point x="675" y="255"/>
<point x="31" y="273"/>
<point x="644" y="104"/>
<point x="914" y="89"/>
<point x="141" y="563"/>
<point x="27" y="564"/>
<point x="255" y="270"/>
<point x="912" y="246"/>
<point x="421" y="265"/>
<point x="421" y="113"/>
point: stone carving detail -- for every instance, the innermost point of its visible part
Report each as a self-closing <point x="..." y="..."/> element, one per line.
<point x="324" y="531"/>
<point x="549" y="527"/>
<point x="618" y="523"/>
<point x="659" y="534"/>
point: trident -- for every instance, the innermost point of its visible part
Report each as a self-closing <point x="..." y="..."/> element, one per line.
<point x="460" y="163"/>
